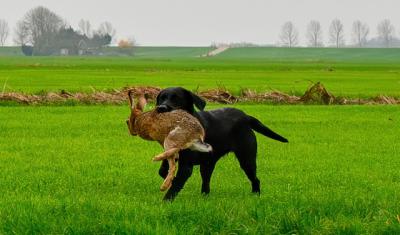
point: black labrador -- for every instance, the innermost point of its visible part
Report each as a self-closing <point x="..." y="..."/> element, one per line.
<point x="227" y="130"/>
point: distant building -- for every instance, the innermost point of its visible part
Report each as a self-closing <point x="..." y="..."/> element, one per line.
<point x="64" y="51"/>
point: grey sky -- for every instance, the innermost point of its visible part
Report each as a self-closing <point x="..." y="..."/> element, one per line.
<point x="196" y="23"/>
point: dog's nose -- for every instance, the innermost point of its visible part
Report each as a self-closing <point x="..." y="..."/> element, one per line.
<point x="162" y="108"/>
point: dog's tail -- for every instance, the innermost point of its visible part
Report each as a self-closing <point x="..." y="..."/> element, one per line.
<point x="262" y="129"/>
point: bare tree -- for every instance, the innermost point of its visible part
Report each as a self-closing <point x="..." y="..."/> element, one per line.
<point x="107" y="28"/>
<point x="386" y="32"/>
<point x="289" y="35"/>
<point x="336" y="33"/>
<point x="37" y="28"/>
<point x="4" y="32"/>
<point x="360" y="33"/>
<point x="314" y="34"/>
<point x="85" y="28"/>
<point x="20" y="34"/>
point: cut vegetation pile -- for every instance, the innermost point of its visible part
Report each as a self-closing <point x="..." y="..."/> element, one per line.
<point x="273" y="97"/>
<point x="315" y="94"/>
<point x="218" y="95"/>
<point x="318" y="94"/>
<point x="97" y="97"/>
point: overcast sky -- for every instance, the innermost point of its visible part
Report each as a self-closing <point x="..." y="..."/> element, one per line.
<point x="200" y="22"/>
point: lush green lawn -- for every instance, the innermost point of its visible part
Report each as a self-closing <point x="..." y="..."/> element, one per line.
<point x="344" y="78"/>
<point x="76" y="170"/>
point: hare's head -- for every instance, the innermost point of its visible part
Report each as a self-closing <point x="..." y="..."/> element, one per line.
<point x="136" y="110"/>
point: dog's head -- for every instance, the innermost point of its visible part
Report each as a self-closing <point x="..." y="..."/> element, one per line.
<point x="178" y="98"/>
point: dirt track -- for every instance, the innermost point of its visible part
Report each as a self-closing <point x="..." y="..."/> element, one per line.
<point x="216" y="51"/>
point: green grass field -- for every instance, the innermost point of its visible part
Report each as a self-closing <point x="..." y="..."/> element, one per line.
<point x="76" y="170"/>
<point x="373" y="55"/>
<point x="374" y="72"/>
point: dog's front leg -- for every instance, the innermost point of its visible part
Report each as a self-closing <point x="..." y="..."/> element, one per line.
<point x="163" y="171"/>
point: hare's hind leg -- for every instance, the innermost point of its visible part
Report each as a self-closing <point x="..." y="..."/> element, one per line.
<point x="166" y="154"/>
<point x="170" y="155"/>
<point x="172" y="145"/>
<point x="171" y="173"/>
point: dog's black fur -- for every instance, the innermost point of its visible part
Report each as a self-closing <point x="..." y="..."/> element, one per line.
<point x="227" y="130"/>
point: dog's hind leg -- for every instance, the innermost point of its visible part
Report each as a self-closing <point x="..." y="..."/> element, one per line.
<point x="206" y="170"/>
<point x="246" y="153"/>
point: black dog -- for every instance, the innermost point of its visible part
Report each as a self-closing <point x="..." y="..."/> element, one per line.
<point x="227" y="130"/>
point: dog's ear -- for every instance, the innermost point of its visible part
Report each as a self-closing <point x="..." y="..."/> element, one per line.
<point x="158" y="98"/>
<point x="198" y="102"/>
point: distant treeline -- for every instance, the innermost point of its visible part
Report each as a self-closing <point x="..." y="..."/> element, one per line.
<point x="360" y="36"/>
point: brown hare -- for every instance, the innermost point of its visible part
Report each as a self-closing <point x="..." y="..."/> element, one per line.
<point x="175" y="131"/>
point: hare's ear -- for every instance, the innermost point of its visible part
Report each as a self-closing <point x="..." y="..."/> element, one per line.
<point x="131" y="100"/>
<point x="141" y="103"/>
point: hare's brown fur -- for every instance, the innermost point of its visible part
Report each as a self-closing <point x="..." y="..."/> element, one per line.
<point x="175" y="131"/>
